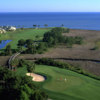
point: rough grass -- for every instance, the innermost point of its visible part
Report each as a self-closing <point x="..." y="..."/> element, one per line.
<point x="97" y="45"/>
<point x="77" y="86"/>
<point x="23" y="34"/>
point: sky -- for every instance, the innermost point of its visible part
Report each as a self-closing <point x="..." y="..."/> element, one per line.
<point x="49" y="5"/>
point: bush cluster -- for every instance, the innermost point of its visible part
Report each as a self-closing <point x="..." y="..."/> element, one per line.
<point x="13" y="87"/>
<point x="55" y="36"/>
<point x="23" y="63"/>
<point x="50" y="39"/>
<point x="51" y="62"/>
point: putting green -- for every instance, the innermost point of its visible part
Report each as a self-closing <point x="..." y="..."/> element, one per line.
<point x="62" y="84"/>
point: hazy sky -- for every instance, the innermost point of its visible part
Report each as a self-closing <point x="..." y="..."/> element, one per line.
<point x="49" y="5"/>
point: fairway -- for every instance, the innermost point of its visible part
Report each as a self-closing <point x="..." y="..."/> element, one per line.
<point x="23" y="34"/>
<point x="75" y="87"/>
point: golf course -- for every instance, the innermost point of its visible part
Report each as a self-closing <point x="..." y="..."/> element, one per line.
<point x="36" y="34"/>
<point x="61" y="84"/>
<point x="50" y="50"/>
<point x="58" y="83"/>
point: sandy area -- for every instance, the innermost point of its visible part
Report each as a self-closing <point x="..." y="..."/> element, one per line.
<point x="36" y="77"/>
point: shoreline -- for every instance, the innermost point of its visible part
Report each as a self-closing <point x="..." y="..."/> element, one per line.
<point x="63" y="27"/>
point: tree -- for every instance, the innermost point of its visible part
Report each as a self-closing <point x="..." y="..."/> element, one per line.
<point x="62" y="25"/>
<point x="18" y="87"/>
<point x="31" y="67"/>
<point x="46" y="36"/>
<point x="57" y="31"/>
<point x="29" y="42"/>
<point x="34" y="25"/>
<point x="24" y="96"/>
<point x="8" y="50"/>
<point x="37" y="37"/>
<point x="45" y="25"/>
<point x="22" y="63"/>
<point x="66" y="30"/>
<point x="53" y="36"/>
<point x="14" y="63"/>
<point x="51" y="41"/>
<point x="38" y="95"/>
<point x="20" y="44"/>
<point x="31" y="48"/>
<point x="42" y="46"/>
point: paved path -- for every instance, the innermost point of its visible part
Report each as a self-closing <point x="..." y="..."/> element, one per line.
<point x="11" y="59"/>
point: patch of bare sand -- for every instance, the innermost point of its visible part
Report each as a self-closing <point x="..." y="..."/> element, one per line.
<point x="36" y="77"/>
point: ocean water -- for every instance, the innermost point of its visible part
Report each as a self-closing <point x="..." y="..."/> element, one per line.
<point x="87" y="21"/>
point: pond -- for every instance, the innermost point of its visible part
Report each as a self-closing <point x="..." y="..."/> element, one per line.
<point x="3" y="43"/>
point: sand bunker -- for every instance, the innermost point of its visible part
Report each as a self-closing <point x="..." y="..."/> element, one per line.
<point x="36" y="77"/>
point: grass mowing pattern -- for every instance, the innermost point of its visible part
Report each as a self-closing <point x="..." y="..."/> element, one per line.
<point x="77" y="86"/>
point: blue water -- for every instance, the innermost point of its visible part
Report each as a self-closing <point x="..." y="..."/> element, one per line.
<point x="3" y="43"/>
<point x="90" y="21"/>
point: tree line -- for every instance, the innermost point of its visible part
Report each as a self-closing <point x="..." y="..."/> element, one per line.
<point x="51" y="38"/>
<point x="17" y="63"/>
<point x="13" y="87"/>
<point x="55" y="37"/>
<point x="59" y="64"/>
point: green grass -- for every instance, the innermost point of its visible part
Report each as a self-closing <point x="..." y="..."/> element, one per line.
<point x="21" y="71"/>
<point x="76" y="87"/>
<point x="22" y="34"/>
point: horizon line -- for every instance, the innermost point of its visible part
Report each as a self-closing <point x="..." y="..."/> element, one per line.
<point x="51" y="12"/>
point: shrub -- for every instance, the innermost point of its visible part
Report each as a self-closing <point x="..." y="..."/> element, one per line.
<point x="18" y="88"/>
<point x="51" y="62"/>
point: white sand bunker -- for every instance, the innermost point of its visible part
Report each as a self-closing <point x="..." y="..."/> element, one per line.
<point x="36" y="77"/>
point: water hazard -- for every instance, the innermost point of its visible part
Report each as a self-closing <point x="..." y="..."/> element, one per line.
<point x="3" y="43"/>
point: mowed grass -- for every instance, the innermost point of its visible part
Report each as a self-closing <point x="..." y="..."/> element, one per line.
<point x="23" y="34"/>
<point x="63" y="84"/>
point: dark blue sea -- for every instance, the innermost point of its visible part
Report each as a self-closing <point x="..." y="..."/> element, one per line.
<point x="87" y="21"/>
